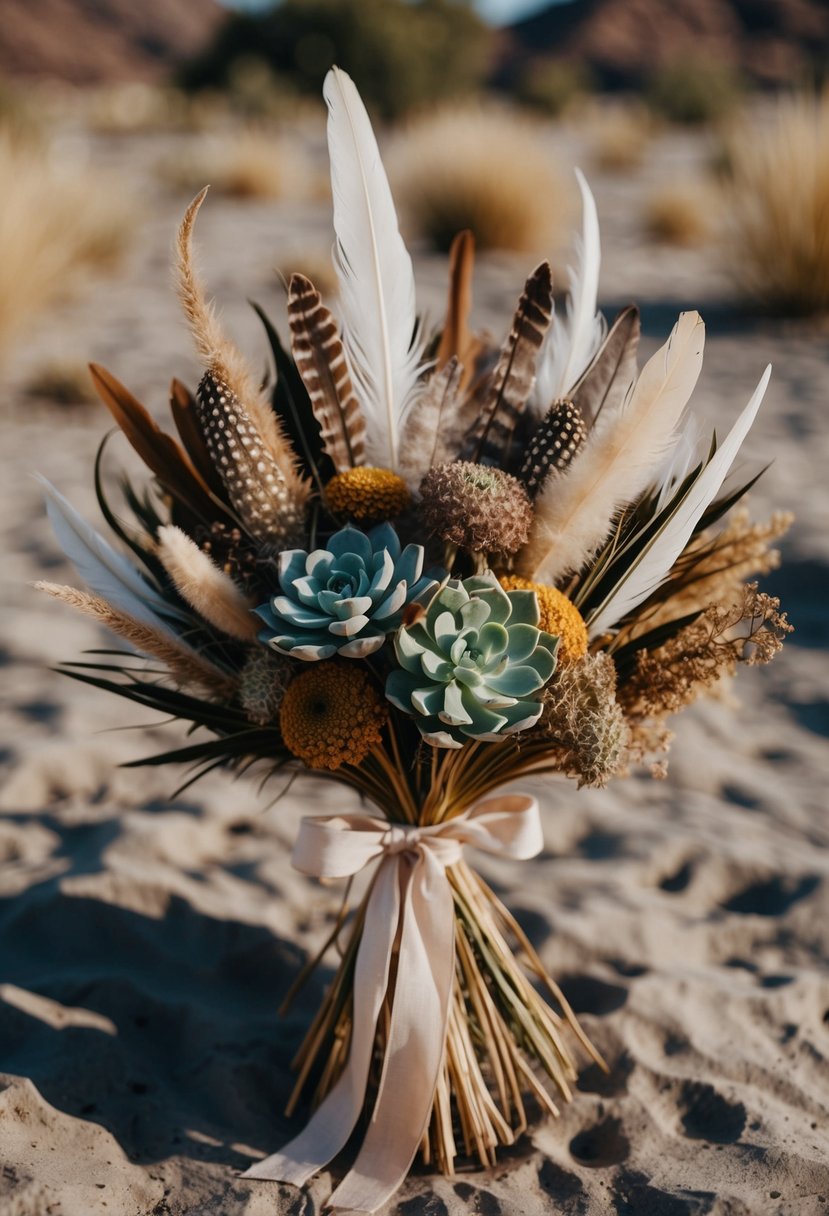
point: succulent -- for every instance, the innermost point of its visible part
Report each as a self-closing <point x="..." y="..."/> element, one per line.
<point x="346" y="598"/>
<point x="471" y="666"/>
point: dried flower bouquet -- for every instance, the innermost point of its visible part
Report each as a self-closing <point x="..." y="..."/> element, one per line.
<point x="424" y="569"/>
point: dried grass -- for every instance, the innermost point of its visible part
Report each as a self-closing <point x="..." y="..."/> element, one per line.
<point x="620" y="137"/>
<point x="56" y="221"/>
<point x="777" y="201"/>
<point x="682" y="213"/>
<point x="253" y="163"/>
<point x="61" y="382"/>
<point x="484" y="168"/>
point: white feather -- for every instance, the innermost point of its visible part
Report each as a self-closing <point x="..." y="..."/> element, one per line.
<point x="656" y="561"/>
<point x="106" y="572"/>
<point x="575" y="509"/>
<point x="377" y="290"/>
<point x="573" y="340"/>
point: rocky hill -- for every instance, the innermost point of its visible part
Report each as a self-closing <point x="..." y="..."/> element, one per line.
<point x="771" y="41"/>
<point x="101" y="41"/>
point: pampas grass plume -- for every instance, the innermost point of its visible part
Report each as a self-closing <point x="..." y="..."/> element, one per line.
<point x="206" y="588"/>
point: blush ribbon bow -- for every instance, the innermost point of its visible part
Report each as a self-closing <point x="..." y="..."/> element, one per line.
<point x="410" y="903"/>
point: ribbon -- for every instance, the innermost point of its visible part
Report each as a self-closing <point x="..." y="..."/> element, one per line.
<point x="410" y="903"/>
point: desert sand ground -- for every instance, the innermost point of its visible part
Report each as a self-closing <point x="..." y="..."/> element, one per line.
<point x="145" y="941"/>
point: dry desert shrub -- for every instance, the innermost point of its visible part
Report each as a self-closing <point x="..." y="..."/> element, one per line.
<point x="56" y="220"/>
<point x="682" y="213"/>
<point x="61" y="381"/>
<point x="252" y="163"/>
<point x="484" y="168"/>
<point x="620" y="136"/>
<point x="777" y="203"/>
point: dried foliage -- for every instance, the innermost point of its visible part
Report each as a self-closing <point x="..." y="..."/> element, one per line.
<point x="56" y="221"/>
<point x="697" y="658"/>
<point x="185" y="667"/>
<point x="583" y="719"/>
<point x="777" y="201"/>
<point x="484" y="169"/>
<point x="714" y="568"/>
<point x="681" y="213"/>
<point x="248" y="164"/>
<point x="620" y="137"/>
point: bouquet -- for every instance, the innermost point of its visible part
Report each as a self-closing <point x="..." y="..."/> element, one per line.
<point x="425" y="567"/>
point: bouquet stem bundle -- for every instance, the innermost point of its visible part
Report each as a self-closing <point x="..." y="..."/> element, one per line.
<point x="504" y="1039"/>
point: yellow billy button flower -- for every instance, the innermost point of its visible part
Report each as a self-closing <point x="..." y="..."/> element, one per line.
<point x="559" y="615"/>
<point x="367" y="494"/>
<point x="332" y="715"/>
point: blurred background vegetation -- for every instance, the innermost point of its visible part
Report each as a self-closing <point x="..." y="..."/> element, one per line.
<point x="466" y="108"/>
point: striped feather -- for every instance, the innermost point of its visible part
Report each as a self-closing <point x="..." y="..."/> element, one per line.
<point x="514" y="374"/>
<point x="320" y="359"/>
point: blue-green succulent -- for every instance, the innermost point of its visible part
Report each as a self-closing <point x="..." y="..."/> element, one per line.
<point x="346" y="598"/>
<point x="471" y="667"/>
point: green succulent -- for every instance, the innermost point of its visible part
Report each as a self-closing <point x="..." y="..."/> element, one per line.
<point x="471" y="667"/>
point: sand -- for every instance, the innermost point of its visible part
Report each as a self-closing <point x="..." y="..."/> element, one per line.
<point x="146" y="940"/>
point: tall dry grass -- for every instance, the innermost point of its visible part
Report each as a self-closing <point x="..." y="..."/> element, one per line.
<point x="57" y="221"/>
<point x="620" y="135"/>
<point x="682" y="213"/>
<point x="246" y="163"/>
<point x="484" y="168"/>
<point x="777" y="204"/>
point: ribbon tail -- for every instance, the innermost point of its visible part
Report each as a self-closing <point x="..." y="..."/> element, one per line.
<point x="417" y="1035"/>
<point x="332" y="1123"/>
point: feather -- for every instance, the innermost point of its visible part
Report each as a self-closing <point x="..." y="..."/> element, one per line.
<point x="654" y="562"/>
<point x="184" y="410"/>
<point x="320" y="359"/>
<point x="612" y="371"/>
<point x="255" y="484"/>
<point x="106" y="572"/>
<point x="187" y="667"/>
<point x="223" y="358"/>
<point x="160" y="453"/>
<point x="377" y="289"/>
<point x="514" y="374"/>
<point x="206" y="588"/>
<point x="575" y="509"/>
<point x="457" y="339"/>
<point x="429" y="436"/>
<point x="573" y="340"/>
<point x="554" y="443"/>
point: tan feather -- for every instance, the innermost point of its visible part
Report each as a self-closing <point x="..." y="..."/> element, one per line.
<point x="428" y="435"/>
<point x="457" y="340"/>
<point x="575" y="509"/>
<point x="320" y="358"/>
<point x="514" y="374"/>
<point x="206" y="588"/>
<point x="187" y="667"/>
<point x="224" y="359"/>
